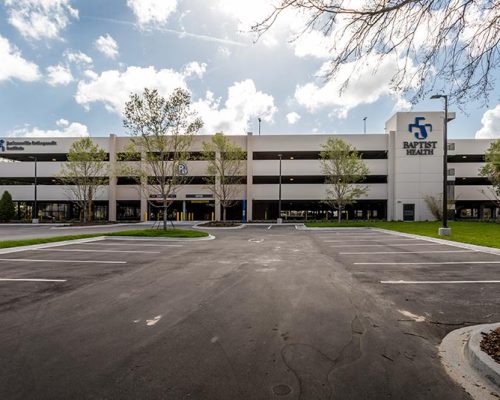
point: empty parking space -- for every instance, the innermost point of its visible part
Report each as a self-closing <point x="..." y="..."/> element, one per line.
<point x="32" y="274"/>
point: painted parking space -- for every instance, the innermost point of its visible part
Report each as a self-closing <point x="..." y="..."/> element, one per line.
<point x="36" y="273"/>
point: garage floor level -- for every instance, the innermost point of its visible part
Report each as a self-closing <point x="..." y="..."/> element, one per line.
<point x="256" y="314"/>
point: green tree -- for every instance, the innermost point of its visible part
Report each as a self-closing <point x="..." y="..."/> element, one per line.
<point x="162" y="132"/>
<point x="344" y="171"/>
<point x="225" y="169"/>
<point x="491" y="170"/>
<point x="85" y="174"/>
<point x="7" y="210"/>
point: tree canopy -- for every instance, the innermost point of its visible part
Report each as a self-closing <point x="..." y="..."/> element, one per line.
<point x="344" y="172"/>
<point x="162" y="131"/>
<point x="447" y="45"/>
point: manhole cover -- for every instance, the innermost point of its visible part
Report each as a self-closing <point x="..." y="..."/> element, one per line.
<point x="281" y="390"/>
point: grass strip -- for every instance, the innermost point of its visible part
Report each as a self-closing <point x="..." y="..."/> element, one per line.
<point x="169" y="233"/>
<point x="478" y="233"/>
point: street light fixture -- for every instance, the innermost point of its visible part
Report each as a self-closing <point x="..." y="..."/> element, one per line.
<point x="35" y="204"/>
<point x="444" y="230"/>
<point x="279" y="193"/>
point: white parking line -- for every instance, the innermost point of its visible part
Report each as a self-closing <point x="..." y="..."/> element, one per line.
<point x="31" y="280"/>
<point x="129" y="244"/>
<point x="62" y="261"/>
<point x="270" y="226"/>
<point x="412" y="252"/>
<point x="366" y="240"/>
<point x="432" y="282"/>
<point x="428" y="263"/>
<point x="100" y="251"/>
<point x="388" y="244"/>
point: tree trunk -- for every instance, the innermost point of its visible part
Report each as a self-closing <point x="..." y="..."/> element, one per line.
<point x="224" y="213"/>
<point x="89" y="211"/>
<point x="165" y="211"/>
<point x="340" y="214"/>
<point x="83" y="213"/>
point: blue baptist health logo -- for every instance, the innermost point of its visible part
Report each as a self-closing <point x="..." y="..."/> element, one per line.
<point x="418" y="129"/>
<point x="2" y="145"/>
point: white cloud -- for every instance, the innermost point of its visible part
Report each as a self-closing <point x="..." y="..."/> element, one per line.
<point x="491" y="124"/>
<point x="152" y="12"/>
<point x="13" y="65"/>
<point x="78" y="58"/>
<point x="40" y="19"/>
<point x="368" y="82"/>
<point x="113" y="88"/>
<point x="59" y="75"/>
<point x="75" y="129"/>
<point x="223" y="51"/>
<point x="293" y="118"/>
<point x="62" y="122"/>
<point x="244" y="103"/>
<point x="195" y="68"/>
<point x="107" y="46"/>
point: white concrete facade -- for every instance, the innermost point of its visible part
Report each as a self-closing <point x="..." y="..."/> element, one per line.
<point x="405" y="164"/>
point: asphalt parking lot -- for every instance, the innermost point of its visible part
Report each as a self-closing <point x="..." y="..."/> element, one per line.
<point x="263" y="312"/>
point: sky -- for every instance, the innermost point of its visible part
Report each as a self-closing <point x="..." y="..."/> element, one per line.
<point x="67" y="67"/>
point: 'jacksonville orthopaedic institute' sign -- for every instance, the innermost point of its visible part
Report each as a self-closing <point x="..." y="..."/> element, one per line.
<point x="421" y="146"/>
<point x="20" y="145"/>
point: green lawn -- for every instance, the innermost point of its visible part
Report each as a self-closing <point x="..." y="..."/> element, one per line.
<point x="169" y="233"/>
<point x="480" y="233"/>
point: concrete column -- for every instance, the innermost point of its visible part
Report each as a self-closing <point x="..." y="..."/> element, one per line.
<point x="217" y="189"/>
<point x="112" y="179"/>
<point x="249" y="194"/>
<point x="391" y="171"/>
<point x="144" y="199"/>
<point x="184" y="210"/>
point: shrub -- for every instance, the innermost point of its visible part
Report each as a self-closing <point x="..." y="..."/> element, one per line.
<point x="7" y="210"/>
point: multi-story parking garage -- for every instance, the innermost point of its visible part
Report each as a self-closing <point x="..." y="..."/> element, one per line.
<point x="405" y="164"/>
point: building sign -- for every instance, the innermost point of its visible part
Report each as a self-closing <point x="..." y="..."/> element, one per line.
<point x="159" y="196"/>
<point x="198" y="196"/>
<point x="182" y="169"/>
<point x="20" y="145"/>
<point x="421" y="146"/>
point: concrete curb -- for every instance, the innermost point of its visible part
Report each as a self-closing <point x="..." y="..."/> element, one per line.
<point x="198" y="226"/>
<point x="50" y="244"/>
<point x="481" y="361"/>
<point x="453" y="353"/>
<point x="65" y="227"/>
<point x="160" y="239"/>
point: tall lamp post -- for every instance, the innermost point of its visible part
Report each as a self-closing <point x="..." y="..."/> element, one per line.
<point x="444" y="230"/>
<point x="279" y="193"/>
<point x="35" y="204"/>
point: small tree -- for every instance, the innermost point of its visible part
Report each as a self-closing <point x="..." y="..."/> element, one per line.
<point x="7" y="209"/>
<point x="344" y="170"/>
<point x="85" y="174"/>
<point x="491" y="170"/>
<point x="224" y="170"/>
<point x="162" y="131"/>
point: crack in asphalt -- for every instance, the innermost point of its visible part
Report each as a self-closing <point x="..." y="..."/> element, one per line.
<point x="313" y="368"/>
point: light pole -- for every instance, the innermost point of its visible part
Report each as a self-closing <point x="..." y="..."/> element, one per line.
<point x="444" y="230"/>
<point x="279" y="193"/>
<point x="259" y="124"/>
<point x="364" y="125"/>
<point x="35" y="205"/>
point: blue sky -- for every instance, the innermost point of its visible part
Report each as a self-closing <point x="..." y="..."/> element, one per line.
<point x="67" y="67"/>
